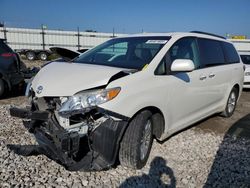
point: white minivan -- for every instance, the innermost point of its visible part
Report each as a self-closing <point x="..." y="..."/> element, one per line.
<point x="109" y="103"/>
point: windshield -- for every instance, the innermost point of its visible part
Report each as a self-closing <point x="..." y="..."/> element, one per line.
<point x="245" y="59"/>
<point x="131" y="53"/>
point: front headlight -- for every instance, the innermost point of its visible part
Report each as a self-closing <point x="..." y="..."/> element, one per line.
<point x="84" y="101"/>
<point x="28" y="87"/>
<point x="247" y="73"/>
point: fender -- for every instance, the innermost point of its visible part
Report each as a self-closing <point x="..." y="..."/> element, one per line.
<point x="5" y="78"/>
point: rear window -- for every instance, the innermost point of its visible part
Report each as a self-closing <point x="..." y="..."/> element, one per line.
<point x="211" y="52"/>
<point x="230" y="53"/>
<point x="245" y="59"/>
<point x="4" y="48"/>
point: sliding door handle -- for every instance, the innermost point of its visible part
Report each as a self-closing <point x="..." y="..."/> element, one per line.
<point x="211" y="75"/>
<point x="203" y="77"/>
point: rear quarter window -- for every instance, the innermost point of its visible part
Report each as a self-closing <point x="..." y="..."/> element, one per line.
<point x="211" y="52"/>
<point x="4" y="48"/>
<point x="230" y="53"/>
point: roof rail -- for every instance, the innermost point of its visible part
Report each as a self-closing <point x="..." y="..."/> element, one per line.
<point x="211" y="34"/>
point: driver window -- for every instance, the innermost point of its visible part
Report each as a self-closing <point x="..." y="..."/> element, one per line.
<point x="185" y="48"/>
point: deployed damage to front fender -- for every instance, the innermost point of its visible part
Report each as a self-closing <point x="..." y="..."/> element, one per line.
<point x="86" y="141"/>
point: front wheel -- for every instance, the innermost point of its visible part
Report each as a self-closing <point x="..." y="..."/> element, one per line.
<point x="231" y="103"/>
<point x="137" y="141"/>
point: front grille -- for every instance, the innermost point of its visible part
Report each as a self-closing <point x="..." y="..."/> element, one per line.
<point x="45" y="103"/>
<point x="246" y="83"/>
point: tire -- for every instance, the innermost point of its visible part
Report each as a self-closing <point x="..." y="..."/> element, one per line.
<point x="2" y="88"/>
<point x="134" y="149"/>
<point x="231" y="103"/>
<point x="30" y="55"/>
<point x="43" y="56"/>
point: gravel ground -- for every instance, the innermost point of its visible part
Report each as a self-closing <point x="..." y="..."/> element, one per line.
<point x="184" y="160"/>
<point x="37" y="63"/>
<point x="201" y="156"/>
<point x="195" y="157"/>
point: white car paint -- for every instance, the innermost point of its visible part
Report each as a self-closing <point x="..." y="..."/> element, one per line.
<point x="66" y="79"/>
<point x="182" y="102"/>
<point x="183" y="98"/>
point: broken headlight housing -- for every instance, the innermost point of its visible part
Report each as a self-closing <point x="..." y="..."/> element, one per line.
<point x="86" y="100"/>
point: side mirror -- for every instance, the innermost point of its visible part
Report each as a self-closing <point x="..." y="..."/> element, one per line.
<point x="182" y="65"/>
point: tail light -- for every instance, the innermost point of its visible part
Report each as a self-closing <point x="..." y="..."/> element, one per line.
<point x="8" y="55"/>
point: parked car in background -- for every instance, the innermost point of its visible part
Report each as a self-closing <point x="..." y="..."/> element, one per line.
<point x="245" y="56"/>
<point x="13" y="71"/>
<point x="113" y="100"/>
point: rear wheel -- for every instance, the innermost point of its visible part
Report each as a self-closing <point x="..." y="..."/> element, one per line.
<point x="231" y="103"/>
<point x="43" y="56"/>
<point x="30" y="55"/>
<point x="137" y="141"/>
<point x="2" y="88"/>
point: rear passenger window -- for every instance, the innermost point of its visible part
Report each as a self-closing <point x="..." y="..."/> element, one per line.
<point x="230" y="53"/>
<point x="211" y="52"/>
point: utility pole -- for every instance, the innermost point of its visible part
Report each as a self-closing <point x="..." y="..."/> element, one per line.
<point x="78" y="39"/>
<point x="4" y="32"/>
<point x="43" y="27"/>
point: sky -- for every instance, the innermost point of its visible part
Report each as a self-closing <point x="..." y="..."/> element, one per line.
<point x="130" y="16"/>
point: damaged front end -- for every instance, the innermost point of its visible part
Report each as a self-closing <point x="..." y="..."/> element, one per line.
<point x="77" y="135"/>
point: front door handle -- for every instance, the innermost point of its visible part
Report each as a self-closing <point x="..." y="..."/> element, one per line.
<point x="211" y="75"/>
<point x="203" y="77"/>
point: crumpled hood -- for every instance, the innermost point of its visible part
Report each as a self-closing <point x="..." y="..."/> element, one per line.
<point x="66" y="79"/>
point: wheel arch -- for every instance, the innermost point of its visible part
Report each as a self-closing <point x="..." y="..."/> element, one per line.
<point x="157" y="118"/>
<point x="237" y="86"/>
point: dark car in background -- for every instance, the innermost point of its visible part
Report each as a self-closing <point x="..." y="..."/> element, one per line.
<point x="13" y="71"/>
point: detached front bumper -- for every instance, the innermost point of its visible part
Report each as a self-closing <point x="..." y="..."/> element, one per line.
<point x="28" y="114"/>
<point x="95" y="151"/>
